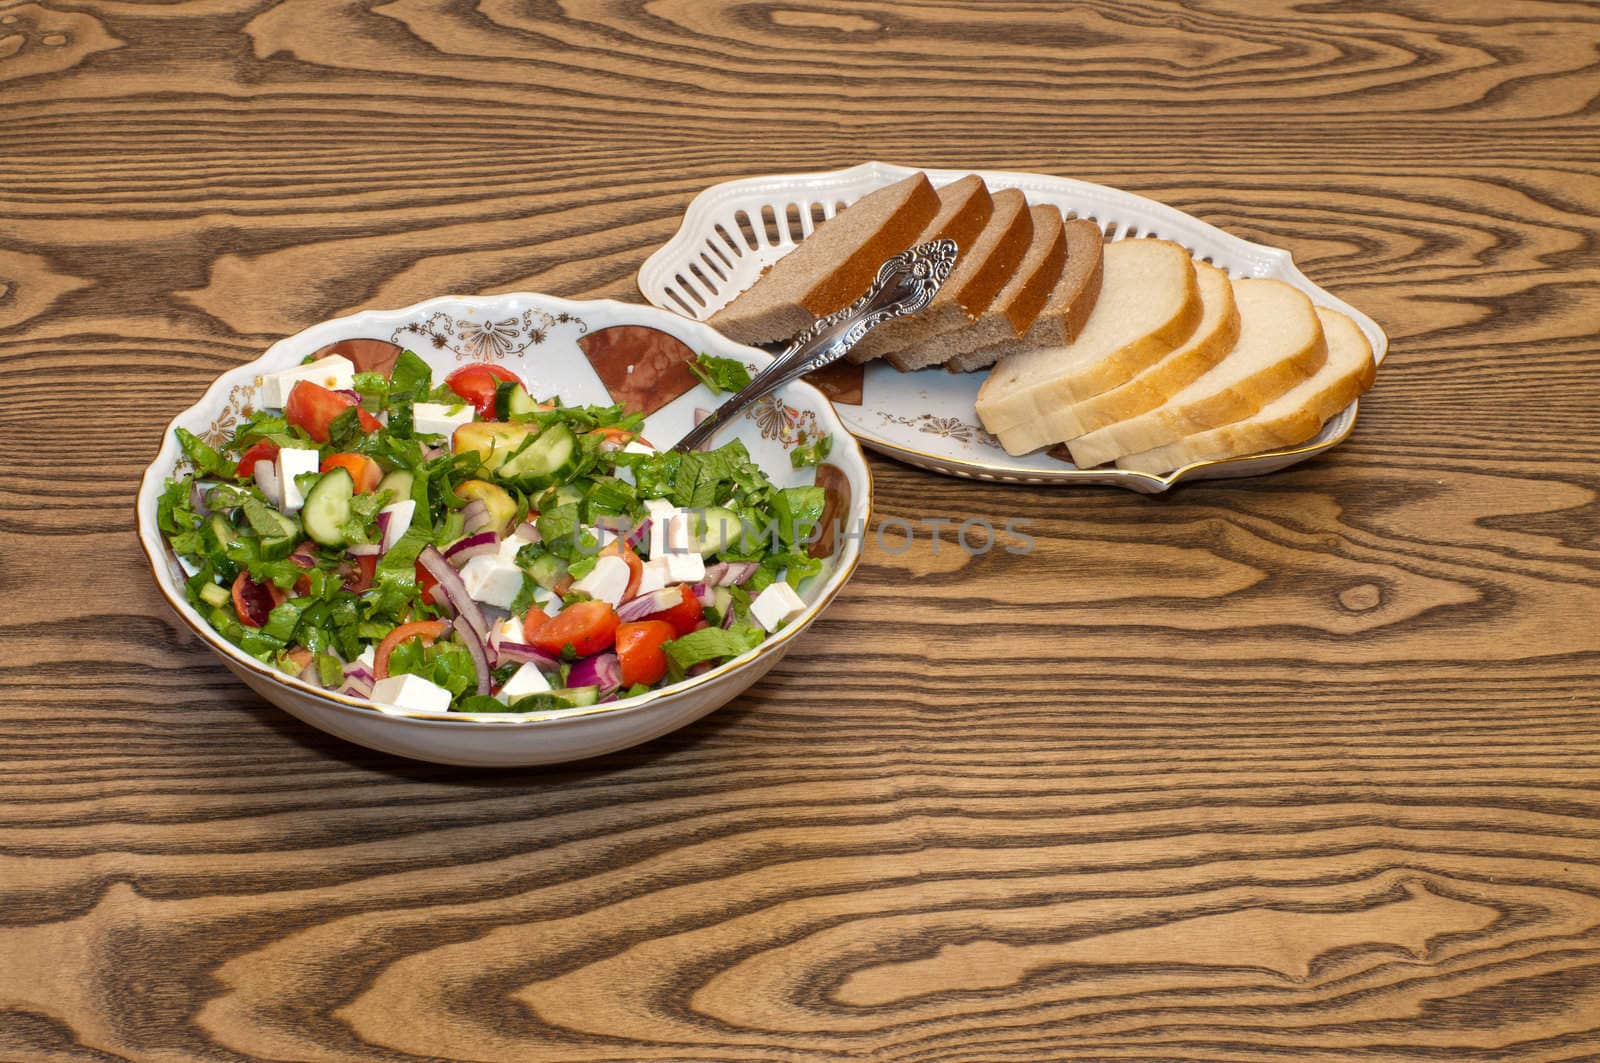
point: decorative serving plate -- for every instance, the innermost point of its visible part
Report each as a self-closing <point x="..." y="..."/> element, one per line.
<point x="734" y="230"/>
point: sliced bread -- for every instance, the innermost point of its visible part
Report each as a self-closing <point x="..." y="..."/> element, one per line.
<point x="980" y="273"/>
<point x="1293" y="417"/>
<point x="832" y="267"/>
<point x="1149" y="303"/>
<point x="1211" y="339"/>
<point x="964" y="209"/>
<point x="1011" y="312"/>
<point x="1067" y="307"/>
<point x="1280" y="344"/>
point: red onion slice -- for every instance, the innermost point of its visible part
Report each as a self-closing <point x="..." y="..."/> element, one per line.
<point x="349" y="393"/>
<point x="530" y="531"/>
<point x="266" y="474"/>
<point x="705" y="594"/>
<point x="636" y="536"/>
<point x="603" y="670"/>
<point x="475" y="517"/>
<point x="727" y="617"/>
<point x="646" y="604"/>
<point x="453" y="591"/>
<point x="480" y="655"/>
<point x="465" y="549"/>
<point x="522" y="653"/>
<point x="356" y="689"/>
<point x="730" y="573"/>
<point x="364" y="550"/>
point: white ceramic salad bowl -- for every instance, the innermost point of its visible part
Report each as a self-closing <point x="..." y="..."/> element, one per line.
<point x="538" y="337"/>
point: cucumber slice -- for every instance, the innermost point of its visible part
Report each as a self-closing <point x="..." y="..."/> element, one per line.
<point x="559" y="495"/>
<point x="278" y="547"/>
<point x="512" y="399"/>
<point x="215" y="596"/>
<point x="222" y="533"/>
<point x="552" y="458"/>
<point x="715" y="530"/>
<point x="398" y="484"/>
<point x="328" y="507"/>
<point x="577" y="697"/>
<point x="563" y="698"/>
<point x="547" y="571"/>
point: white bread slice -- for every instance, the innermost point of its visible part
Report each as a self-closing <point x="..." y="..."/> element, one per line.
<point x="1067" y="308"/>
<point x="832" y="267"/>
<point x="1149" y="303"/>
<point x="1280" y="344"/>
<point x="1293" y="417"/>
<point x="1210" y="341"/>
<point x="1010" y="313"/>
<point x="980" y="273"/>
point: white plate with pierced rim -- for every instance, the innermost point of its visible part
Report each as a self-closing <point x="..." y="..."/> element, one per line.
<point x="734" y="230"/>
<point x="587" y="353"/>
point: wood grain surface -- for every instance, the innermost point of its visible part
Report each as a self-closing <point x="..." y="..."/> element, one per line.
<point x="1298" y="768"/>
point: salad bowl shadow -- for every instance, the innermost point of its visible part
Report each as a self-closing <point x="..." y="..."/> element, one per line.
<point x="559" y="347"/>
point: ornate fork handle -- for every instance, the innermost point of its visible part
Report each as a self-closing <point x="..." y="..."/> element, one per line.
<point x="905" y="284"/>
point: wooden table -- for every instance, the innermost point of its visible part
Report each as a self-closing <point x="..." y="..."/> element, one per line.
<point x="1306" y="767"/>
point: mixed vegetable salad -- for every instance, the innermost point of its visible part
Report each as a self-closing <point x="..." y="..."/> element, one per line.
<point x="467" y="547"/>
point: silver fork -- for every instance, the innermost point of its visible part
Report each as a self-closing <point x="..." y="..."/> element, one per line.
<point x="905" y="284"/>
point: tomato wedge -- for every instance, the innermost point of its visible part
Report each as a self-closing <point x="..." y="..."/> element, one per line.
<point x="297" y="659"/>
<point x="358" y="572"/>
<point x="426" y="630"/>
<point x="427" y="581"/>
<point x="254" y="602"/>
<point x="313" y="407"/>
<point x="366" y="473"/>
<point x="639" y="651"/>
<point x="635" y="566"/>
<point x="476" y="383"/>
<point x="260" y="450"/>
<point x="588" y="627"/>
<point x="685" y="615"/>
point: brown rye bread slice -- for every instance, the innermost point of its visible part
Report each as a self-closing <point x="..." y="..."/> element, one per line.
<point x="828" y="270"/>
<point x="1009" y="315"/>
<point x="1064" y="312"/>
<point x="980" y="273"/>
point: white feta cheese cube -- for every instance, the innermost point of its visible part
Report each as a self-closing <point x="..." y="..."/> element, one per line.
<point x="436" y="418"/>
<point x="636" y="447"/>
<point x="607" y="581"/>
<point x="510" y="545"/>
<point x="410" y="693"/>
<point x="685" y="567"/>
<point x="775" y="605"/>
<point x="492" y="581"/>
<point x="335" y="372"/>
<point x="524" y="681"/>
<point x="292" y="462"/>
<point x="398" y="522"/>
<point x="654" y="576"/>
<point x="510" y="630"/>
<point x="658" y="511"/>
